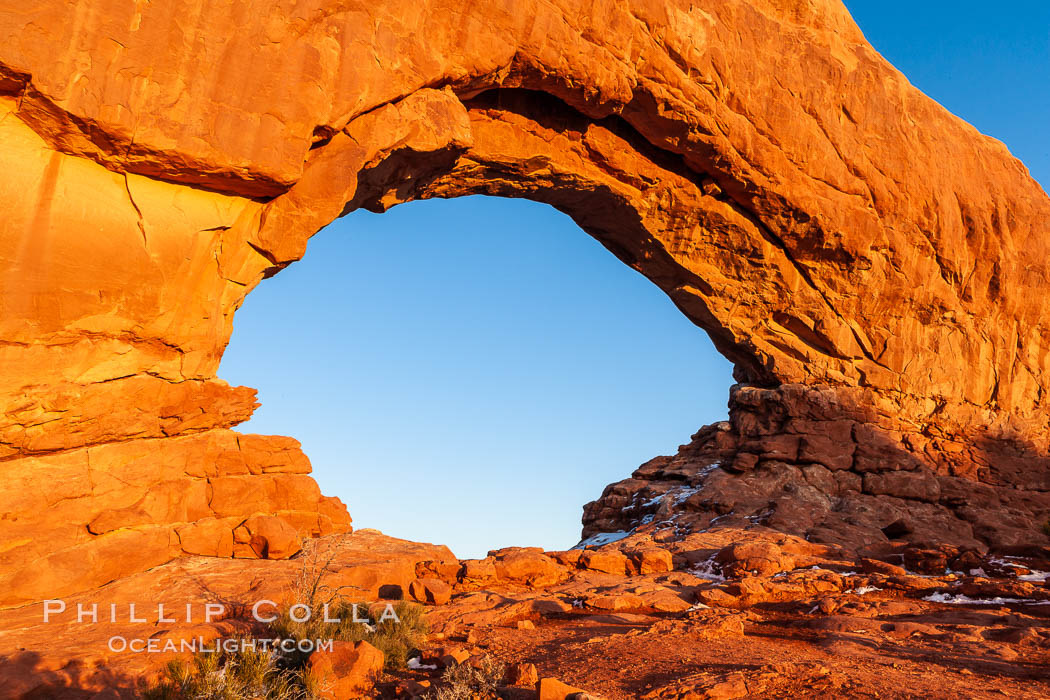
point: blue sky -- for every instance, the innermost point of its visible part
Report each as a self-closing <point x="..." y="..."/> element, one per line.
<point x="989" y="63"/>
<point x="471" y="372"/>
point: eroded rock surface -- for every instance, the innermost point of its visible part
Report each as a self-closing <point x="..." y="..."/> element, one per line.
<point x="797" y="460"/>
<point x="721" y="614"/>
<point x="824" y="221"/>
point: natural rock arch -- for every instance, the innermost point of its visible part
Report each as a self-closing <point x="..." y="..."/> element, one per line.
<point x="869" y="262"/>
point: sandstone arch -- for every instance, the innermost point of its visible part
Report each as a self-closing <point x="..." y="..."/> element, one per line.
<point x="870" y="262"/>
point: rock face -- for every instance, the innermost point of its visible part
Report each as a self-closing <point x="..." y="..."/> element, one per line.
<point x="66" y="657"/>
<point x="80" y="518"/>
<point x="828" y="225"/>
<point x="797" y="460"/>
<point x="349" y="670"/>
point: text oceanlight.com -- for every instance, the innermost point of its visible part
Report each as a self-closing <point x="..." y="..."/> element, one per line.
<point x="230" y="646"/>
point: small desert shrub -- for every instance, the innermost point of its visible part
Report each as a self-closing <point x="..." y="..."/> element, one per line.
<point x="223" y="675"/>
<point x="395" y="638"/>
<point x="467" y="682"/>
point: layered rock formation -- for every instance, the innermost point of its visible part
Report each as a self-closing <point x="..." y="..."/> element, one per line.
<point x="798" y="460"/>
<point x="827" y="224"/>
<point x="80" y="518"/>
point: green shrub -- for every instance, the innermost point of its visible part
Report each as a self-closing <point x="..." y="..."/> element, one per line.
<point x="223" y="675"/>
<point x="395" y="638"/>
<point x="467" y="682"/>
<point x="274" y="675"/>
<point x="398" y="638"/>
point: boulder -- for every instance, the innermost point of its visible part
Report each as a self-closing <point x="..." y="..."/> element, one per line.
<point x="430" y="591"/>
<point x="553" y="689"/>
<point x="349" y="670"/>
<point x="756" y="558"/>
<point x="650" y="561"/>
<point x="609" y="561"/>
<point x="521" y="674"/>
<point x="271" y="537"/>
<point x="532" y="568"/>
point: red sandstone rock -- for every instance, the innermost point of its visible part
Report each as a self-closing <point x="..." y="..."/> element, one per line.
<point x="454" y="657"/>
<point x="613" y="602"/>
<point x="530" y="567"/>
<point x="212" y="537"/>
<point x="755" y="558"/>
<point x="608" y="561"/>
<point x="553" y="689"/>
<point x="271" y="538"/>
<point x="872" y="566"/>
<point x="349" y="670"/>
<point x="879" y="492"/>
<point x="570" y="558"/>
<point x="431" y="591"/>
<point x="478" y="571"/>
<point x="447" y="571"/>
<point x="828" y="633"/>
<point x="650" y="561"/>
<point x="523" y="674"/>
<point x="192" y="492"/>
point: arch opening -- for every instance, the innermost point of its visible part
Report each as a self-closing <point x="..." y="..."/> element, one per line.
<point x="471" y="371"/>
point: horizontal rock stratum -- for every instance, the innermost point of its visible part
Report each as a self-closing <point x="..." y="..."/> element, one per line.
<point x="828" y="225"/>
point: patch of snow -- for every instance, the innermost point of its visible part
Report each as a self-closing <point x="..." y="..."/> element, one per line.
<point x="684" y="493"/>
<point x="959" y="599"/>
<point x="415" y="664"/>
<point x="864" y="590"/>
<point x="1003" y="561"/>
<point x="978" y="572"/>
<point x="1035" y="576"/>
<point x="708" y="570"/>
<point x="709" y="468"/>
<point x="603" y="538"/>
<point x="654" y="500"/>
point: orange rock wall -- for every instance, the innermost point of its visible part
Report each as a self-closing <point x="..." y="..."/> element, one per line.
<point x="824" y="221"/>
